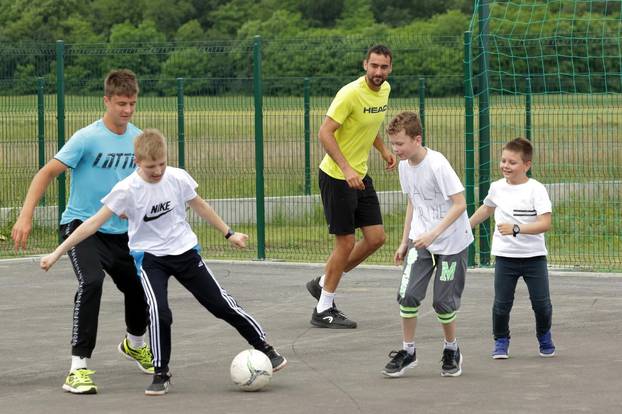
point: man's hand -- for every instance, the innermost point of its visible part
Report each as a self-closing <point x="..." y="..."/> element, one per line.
<point x="353" y="179"/>
<point x="391" y="161"/>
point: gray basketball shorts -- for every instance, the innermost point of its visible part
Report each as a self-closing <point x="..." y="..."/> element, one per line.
<point x="449" y="276"/>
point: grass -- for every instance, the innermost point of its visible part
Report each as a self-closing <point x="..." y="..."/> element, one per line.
<point x="575" y="137"/>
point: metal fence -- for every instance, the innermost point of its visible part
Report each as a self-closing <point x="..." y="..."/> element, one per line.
<point x="251" y="143"/>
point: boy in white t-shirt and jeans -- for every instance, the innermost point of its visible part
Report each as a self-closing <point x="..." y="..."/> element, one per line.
<point x="522" y="210"/>
<point x="154" y="199"/>
<point x="434" y="243"/>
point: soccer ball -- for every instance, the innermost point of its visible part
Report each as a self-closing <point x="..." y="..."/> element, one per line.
<point x="251" y="370"/>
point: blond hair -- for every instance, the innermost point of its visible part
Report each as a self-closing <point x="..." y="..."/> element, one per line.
<point x="150" y="145"/>
<point x="407" y="121"/>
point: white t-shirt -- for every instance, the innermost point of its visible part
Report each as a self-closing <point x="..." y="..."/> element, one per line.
<point x="518" y="204"/>
<point x="156" y="212"/>
<point x="429" y="185"/>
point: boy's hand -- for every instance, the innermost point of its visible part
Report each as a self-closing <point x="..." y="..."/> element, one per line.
<point x="48" y="261"/>
<point x="400" y="253"/>
<point x="426" y="239"/>
<point x="238" y="239"/>
<point x="505" y="229"/>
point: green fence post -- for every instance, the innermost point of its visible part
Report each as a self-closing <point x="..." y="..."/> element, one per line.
<point x="259" y="168"/>
<point x="181" y="144"/>
<point x="41" y="126"/>
<point x="422" y="108"/>
<point x="60" y="118"/>
<point x="307" y="112"/>
<point x="484" y="130"/>
<point x="468" y="137"/>
<point x="528" y="114"/>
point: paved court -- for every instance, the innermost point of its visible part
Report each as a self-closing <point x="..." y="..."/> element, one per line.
<point x="329" y="371"/>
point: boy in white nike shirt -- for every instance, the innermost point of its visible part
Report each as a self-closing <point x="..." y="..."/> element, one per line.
<point x="522" y="210"/>
<point x="154" y="200"/>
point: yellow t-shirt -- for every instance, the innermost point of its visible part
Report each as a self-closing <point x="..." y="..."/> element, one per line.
<point x="360" y="111"/>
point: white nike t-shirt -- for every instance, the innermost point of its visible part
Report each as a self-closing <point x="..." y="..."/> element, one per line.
<point x="156" y="212"/>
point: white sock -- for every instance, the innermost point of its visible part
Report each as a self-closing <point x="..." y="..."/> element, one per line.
<point x="323" y="278"/>
<point x="326" y="301"/>
<point x="77" y="363"/>
<point x="136" y="341"/>
<point x="409" y="347"/>
<point x="451" y="345"/>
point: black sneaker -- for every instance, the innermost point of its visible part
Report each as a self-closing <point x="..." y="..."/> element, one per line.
<point x="400" y="362"/>
<point x="314" y="288"/>
<point x="160" y="384"/>
<point x="451" y="363"/>
<point x="331" y="318"/>
<point x="278" y="361"/>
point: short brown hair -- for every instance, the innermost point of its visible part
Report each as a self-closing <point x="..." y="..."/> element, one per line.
<point x="120" y="82"/>
<point x="407" y="121"/>
<point x="380" y="50"/>
<point x="521" y="146"/>
<point x="149" y="145"/>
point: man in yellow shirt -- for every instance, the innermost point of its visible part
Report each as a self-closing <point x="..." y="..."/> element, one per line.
<point x="350" y="129"/>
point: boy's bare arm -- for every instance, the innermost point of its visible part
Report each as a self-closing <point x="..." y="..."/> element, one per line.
<point x="403" y="247"/>
<point x="40" y="182"/>
<point x="207" y="213"/>
<point x="84" y="230"/>
<point x="481" y="214"/>
<point x="541" y="225"/>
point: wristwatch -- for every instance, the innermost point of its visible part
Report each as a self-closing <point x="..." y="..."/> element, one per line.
<point x="229" y="233"/>
<point x="515" y="230"/>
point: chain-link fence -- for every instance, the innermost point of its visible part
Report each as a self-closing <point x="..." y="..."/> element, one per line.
<point x="250" y="138"/>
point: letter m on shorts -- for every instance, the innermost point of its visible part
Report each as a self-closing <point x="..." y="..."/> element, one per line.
<point x="447" y="271"/>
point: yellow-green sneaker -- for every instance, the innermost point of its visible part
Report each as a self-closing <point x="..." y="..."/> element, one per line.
<point x="142" y="356"/>
<point x="80" y="382"/>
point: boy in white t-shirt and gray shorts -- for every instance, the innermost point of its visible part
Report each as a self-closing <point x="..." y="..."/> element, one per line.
<point x="434" y="243"/>
<point x="522" y="210"/>
<point x="154" y="199"/>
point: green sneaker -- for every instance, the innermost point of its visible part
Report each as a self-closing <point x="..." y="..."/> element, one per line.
<point x="142" y="356"/>
<point x="80" y="382"/>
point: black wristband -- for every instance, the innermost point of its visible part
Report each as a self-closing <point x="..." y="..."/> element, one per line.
<point x="229" y="233"/>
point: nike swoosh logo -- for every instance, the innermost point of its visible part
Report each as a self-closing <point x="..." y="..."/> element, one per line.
<point x="329" y="318"/>
<point x="147" y="218"/>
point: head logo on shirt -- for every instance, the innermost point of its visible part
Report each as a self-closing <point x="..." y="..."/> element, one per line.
<point x="158" y="211"/>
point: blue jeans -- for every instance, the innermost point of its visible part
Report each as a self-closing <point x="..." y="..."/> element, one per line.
<point x="535" y="274"/>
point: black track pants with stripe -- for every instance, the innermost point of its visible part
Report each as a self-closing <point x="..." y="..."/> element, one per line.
<point x="90" y="258"/>
<point x="190" y="270"/>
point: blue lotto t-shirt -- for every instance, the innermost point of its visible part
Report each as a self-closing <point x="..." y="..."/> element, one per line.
<point x="99" y="159"/>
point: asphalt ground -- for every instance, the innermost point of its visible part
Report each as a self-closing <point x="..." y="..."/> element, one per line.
<point x="329" y="371"/>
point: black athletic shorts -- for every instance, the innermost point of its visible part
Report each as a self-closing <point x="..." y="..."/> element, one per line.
<point x="345" y="208"/>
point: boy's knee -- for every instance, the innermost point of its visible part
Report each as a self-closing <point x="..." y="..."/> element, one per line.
<point x="502" y="308"/>
<point x="542" y="306"/>
<point x="377" y="240"/>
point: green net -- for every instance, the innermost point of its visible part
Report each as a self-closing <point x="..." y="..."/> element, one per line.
<point x="551" y="71"/>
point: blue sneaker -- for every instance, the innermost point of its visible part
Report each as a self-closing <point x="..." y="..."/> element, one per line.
<point x="501" y="348"/>
<point x="547" y="348"/>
